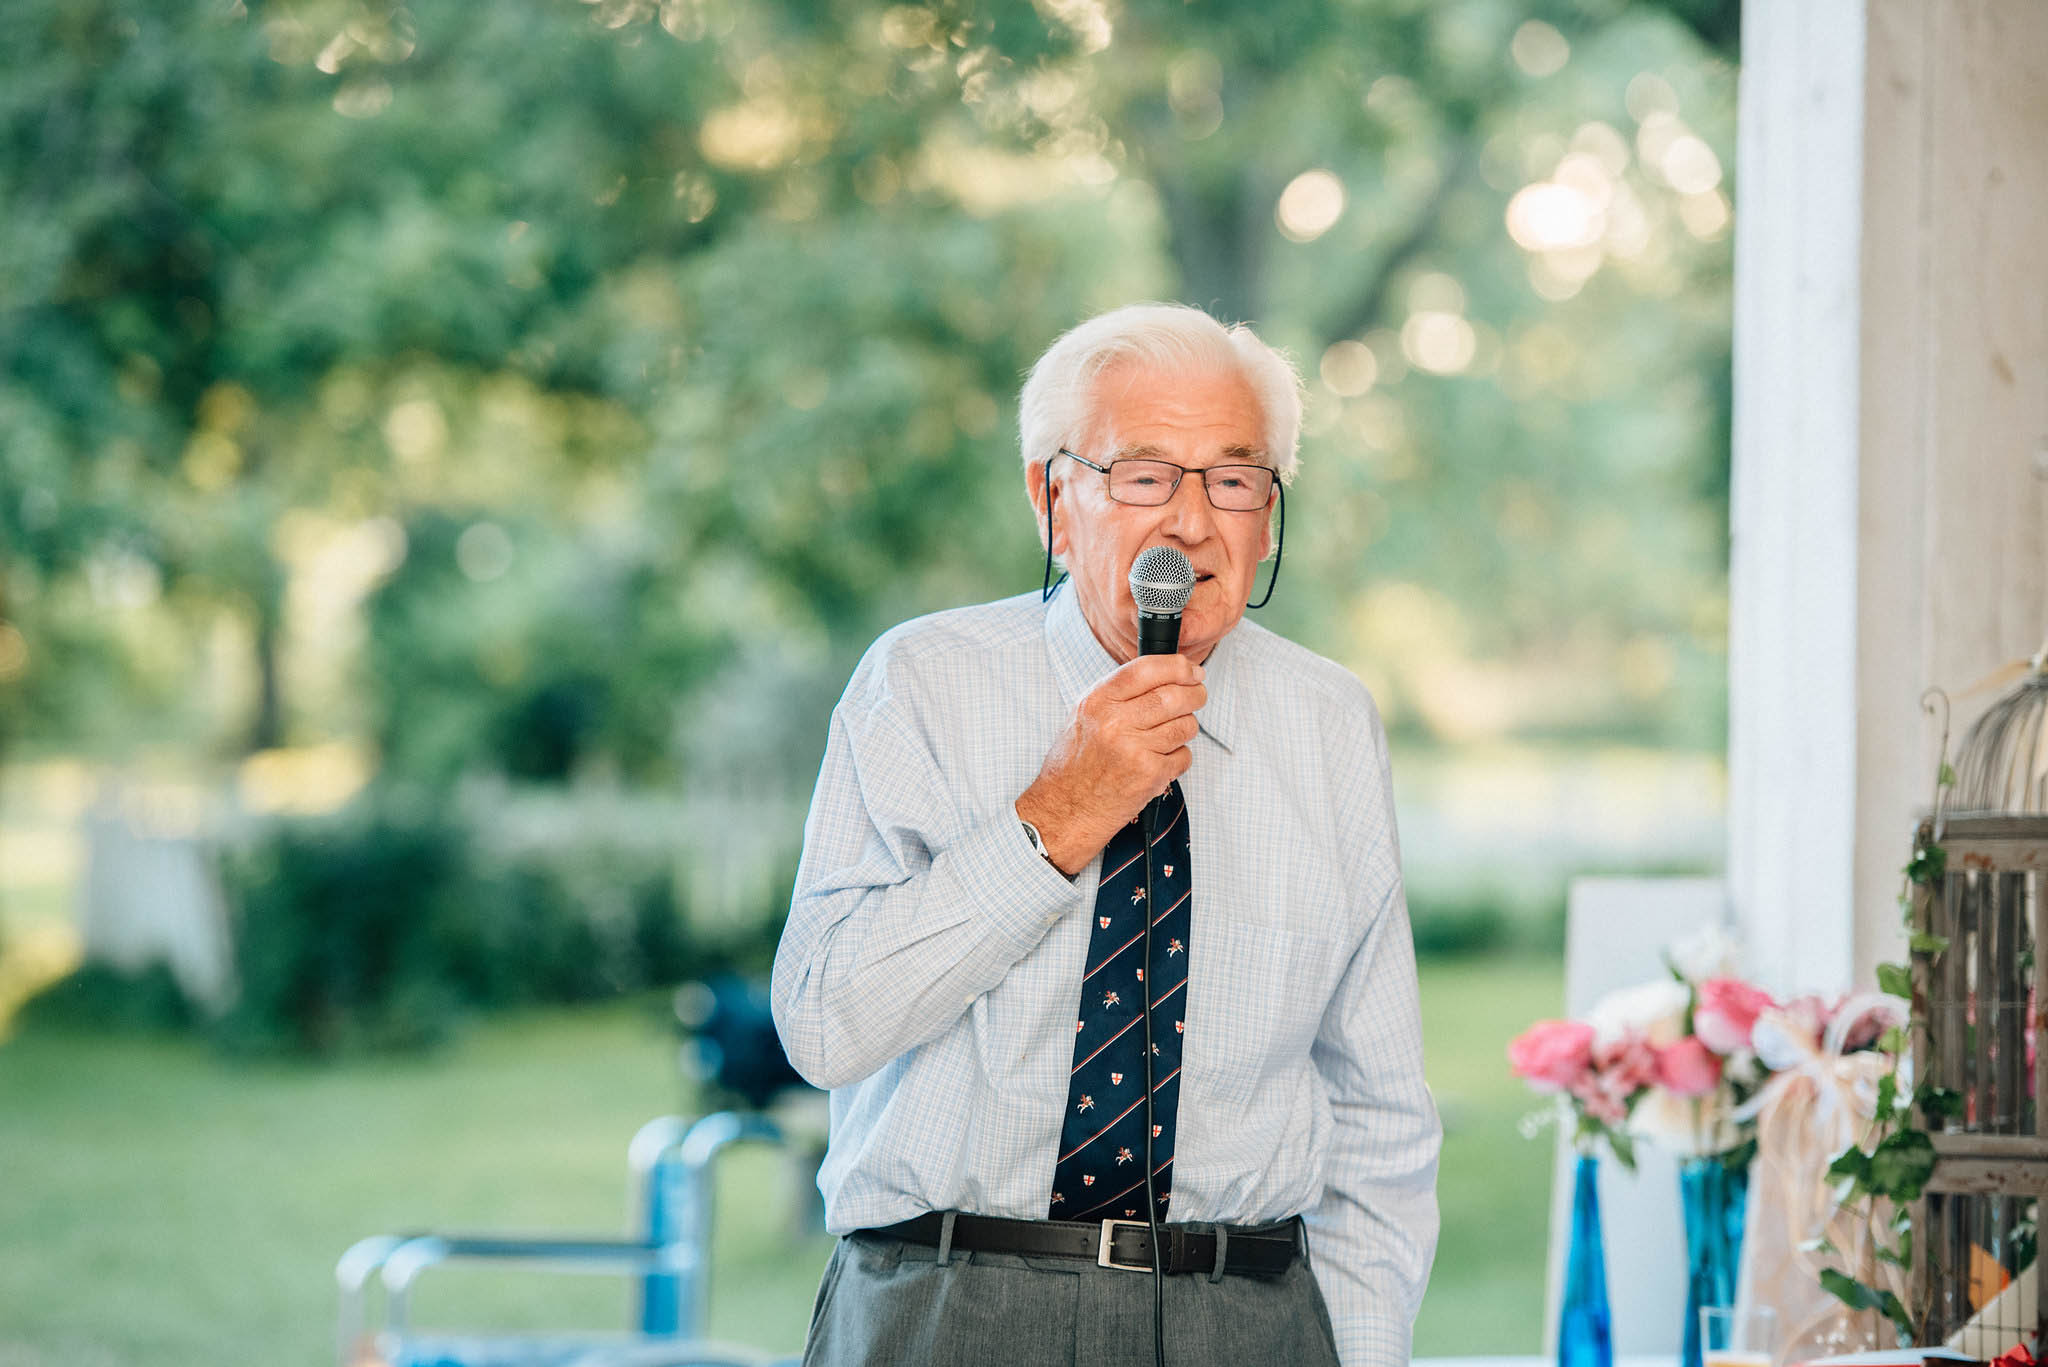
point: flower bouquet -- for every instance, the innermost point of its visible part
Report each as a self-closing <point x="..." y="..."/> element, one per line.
<point x="1672" y="1062"/>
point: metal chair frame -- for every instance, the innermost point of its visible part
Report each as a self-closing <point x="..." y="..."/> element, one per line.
<point x="671" y="1162"/>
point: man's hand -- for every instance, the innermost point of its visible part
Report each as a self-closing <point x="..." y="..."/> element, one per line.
<point x="1128" y="742"/>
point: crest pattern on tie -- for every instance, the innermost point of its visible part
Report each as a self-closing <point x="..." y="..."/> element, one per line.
<point x="1100" y="1173"/>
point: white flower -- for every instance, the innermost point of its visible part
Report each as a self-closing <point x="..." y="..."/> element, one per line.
<point x="1682" y="1126"/>
<point x="1709" y="952"/>
<point x="1655" y="1010"/>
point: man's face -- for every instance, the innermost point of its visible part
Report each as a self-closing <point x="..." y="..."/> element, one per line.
<point x="1194" y="421"/>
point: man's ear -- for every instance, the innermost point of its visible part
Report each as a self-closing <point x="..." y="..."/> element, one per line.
<point x="1266" y="535"/>
<point x="1035" y="489"/>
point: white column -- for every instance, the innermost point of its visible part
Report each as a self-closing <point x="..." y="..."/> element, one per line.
<point x="1792" y="571"/>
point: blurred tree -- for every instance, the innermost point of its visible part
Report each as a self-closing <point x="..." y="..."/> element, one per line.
<point x="612" y="349"/>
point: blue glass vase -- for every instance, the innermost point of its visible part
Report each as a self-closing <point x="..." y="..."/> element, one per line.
<point x="1714" y="1196"/>
<point x="1585" y="1326"/>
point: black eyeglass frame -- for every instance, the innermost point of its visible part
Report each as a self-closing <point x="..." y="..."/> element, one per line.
<point x="1279" y="488"/>
<point x="1180" y="472"/>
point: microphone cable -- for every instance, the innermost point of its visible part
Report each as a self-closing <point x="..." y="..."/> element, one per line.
<point x="1150" y="822"/>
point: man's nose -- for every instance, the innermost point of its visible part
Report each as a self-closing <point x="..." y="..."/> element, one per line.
<point x="1189" y="515"/>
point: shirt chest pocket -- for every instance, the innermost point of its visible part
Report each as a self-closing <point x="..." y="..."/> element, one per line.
<point x="1256" y="995"/>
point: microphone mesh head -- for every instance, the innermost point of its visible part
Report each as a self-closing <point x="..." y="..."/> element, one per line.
<point x="1162" y="581"/>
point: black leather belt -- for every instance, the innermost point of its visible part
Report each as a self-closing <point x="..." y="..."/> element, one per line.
<point x="1259" y="1251"/>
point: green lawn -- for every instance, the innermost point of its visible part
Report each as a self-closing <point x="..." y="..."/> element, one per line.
<point x="163" y="1207"/>
<point x="1486" y="1292"/>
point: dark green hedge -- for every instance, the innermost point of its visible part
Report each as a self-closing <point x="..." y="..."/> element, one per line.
<point x="385" y="925"/>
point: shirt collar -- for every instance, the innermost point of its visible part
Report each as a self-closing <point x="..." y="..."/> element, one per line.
<point x="1079" y="663"/>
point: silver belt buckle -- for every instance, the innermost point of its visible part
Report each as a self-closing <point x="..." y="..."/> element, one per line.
<point x="1102" y="1257"/>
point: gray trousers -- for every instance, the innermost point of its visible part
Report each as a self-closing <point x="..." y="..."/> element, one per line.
<point x="884" y="1303"/>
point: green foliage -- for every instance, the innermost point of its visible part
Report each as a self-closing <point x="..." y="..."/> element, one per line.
<point x="101" y="997"/>
<point x="575" y="925"/>
<point x="1894" y="1171"/>
<point x="336" y="928"/>
<point x="1938" y="1104"/>
<point x="568" y="658"/>
<point x="1928" y="865"/>
<point x="1900" y="1166"/>
<point x="1895" y="980"/>
<point x="713" y="314"/>
<point x="1859" y="1296"/>
<point x="385" y="926"/>
<point x="1619" y="1142"/>
<point x="1450" y="929"/>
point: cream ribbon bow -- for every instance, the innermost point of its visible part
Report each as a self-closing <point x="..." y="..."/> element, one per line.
<point x="1820" y="1101"/>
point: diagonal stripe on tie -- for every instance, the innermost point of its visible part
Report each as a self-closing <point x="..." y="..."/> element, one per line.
<point x="1108" y="1202"/>
<point x="1106" y="1043"/>
<point x="1125" y="865"/>
<point x="1114" y="954"/>
<point x="1107" y="1128"/>
<point x="1175" y="907"/>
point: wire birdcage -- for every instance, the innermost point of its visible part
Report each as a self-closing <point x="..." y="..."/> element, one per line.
<point x="2003" y="763"/>
<point x="1978" y="982"/>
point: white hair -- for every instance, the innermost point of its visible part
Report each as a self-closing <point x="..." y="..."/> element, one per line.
<point x="1057" y="404"/>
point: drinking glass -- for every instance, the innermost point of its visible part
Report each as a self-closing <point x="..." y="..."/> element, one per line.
<point x="1737" y="1335"/>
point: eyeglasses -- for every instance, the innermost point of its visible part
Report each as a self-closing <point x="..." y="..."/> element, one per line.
<point x="1147" y="483"/>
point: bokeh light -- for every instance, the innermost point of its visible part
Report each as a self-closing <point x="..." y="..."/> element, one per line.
<point x="1348" y="368"/>
<point x="1439" y="342"/>
<point x="484" y="551"/>
<point x="1690" y="166"/>
<point x="1549" y="216"/>
<point x="1310" y="205"/>
<point x="1539" y="49"/>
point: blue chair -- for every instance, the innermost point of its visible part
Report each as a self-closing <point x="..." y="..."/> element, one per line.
<point x="671" y="1162"/>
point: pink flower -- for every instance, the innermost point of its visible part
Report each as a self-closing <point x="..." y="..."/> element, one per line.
<point x="1688" y="1068"/>
<point x="1726" y="1013"/>
<point x="1601" y="1100"/>
<point x="1551" y="1055"/>
<point x="1626" y="1064"/>
<point x="1872" y="1019"/>
<point x="1608" y="1095"/>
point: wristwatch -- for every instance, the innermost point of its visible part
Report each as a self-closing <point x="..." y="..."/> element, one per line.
<point x="1037" y="840"/>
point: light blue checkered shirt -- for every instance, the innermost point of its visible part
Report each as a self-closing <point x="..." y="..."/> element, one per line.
<point x="931" y="968"/>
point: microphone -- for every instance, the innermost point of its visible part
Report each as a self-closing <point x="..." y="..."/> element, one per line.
<point x="1162" y="581"/>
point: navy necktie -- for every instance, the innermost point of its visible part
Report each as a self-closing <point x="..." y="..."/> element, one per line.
<point x="1100" y="1174"/>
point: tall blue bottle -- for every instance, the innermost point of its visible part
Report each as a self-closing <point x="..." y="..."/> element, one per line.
<point x="1713" y="1196"/>
<point x="1585" y="1328"/>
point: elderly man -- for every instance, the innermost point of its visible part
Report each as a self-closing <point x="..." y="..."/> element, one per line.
<point x="966" y="962"/>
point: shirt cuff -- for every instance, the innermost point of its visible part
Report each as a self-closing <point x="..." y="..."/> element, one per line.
<point x="1017" y="894"/>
